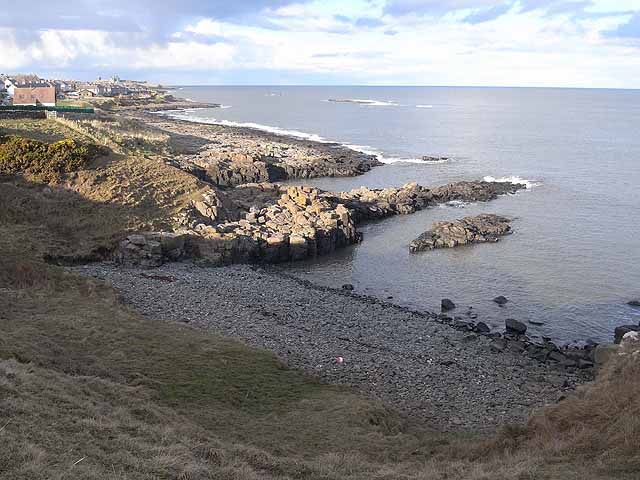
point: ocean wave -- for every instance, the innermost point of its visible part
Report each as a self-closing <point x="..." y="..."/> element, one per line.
<point x="424" y="106"/>
<point x="367" y="150"/>
<point x="224" y="107"/>
<point x="413" y="160"/>
<point x="367" y="102"/>
<point x="513" y="179"/>
<point x="390" y="160"/>
<point x="267" y="128"/>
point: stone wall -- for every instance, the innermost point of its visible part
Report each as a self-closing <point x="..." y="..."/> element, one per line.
<point x="18" y="114"/>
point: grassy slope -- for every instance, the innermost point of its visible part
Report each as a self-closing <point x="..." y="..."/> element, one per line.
<point x="89" y="389"/>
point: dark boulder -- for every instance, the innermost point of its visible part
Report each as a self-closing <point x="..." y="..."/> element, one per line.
<point x="634" y="303"/>
<point x="514" y="326"/>
<point x="620" y="331"/>
<point x="347" y="286"/>
<point x="447" y="305"/>
<point x="482" y="327"/>
<point x="500" y="300"/>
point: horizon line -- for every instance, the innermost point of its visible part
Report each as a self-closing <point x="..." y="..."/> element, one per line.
<point x="390" y="86"/>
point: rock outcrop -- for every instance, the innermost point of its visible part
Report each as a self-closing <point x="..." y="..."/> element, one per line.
<point x="229" y="165"/>
<point x="622" y="330"/>
<point x="371" y="204"/>
<point x="478" y="229"/>
<point x="270" y="223"/>
<point x="208" y="208"/>
<point x="301" y="224"/>
<point x="150" y="249"/>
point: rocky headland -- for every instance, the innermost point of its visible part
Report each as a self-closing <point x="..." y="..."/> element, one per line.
<point x="290" y="223"/>
<point x="479" y="229"/>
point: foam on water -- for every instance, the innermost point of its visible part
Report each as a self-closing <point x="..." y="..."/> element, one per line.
<point x="367" y="102"/>
<point x="513" y="179"/>
<point x="424" y="106"/>
<point x="367" y="150"/>
<point x="184" y="115"/>
<point x="454" y="204"/>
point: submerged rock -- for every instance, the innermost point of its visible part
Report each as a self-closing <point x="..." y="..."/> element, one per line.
<point x="501" y="300"/>
<point x="478" y="229"/>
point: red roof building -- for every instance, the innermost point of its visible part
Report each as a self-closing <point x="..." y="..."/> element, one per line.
<point x="32" y="95"/>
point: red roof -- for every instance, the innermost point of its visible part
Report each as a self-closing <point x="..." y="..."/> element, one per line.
<point x="34" y="95"/>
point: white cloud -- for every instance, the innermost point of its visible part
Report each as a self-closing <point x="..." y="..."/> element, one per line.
<point x="518" y="47"/>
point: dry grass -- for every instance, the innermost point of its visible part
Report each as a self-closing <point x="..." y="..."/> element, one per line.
<point x="600" y="424"/>
<point x="41" y="130"/>
<point x="82" y="377"/>
<point x="91" y="390"/>
<point x="122" y="135"/>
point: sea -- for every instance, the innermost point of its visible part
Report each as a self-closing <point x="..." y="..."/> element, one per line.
<point x="573" y="261"/>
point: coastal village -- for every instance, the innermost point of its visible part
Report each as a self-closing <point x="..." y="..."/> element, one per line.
<point x="31" y="90"/>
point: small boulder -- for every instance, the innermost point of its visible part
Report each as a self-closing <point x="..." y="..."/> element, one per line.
<point x="501" y="300"/>
<point x="482" y="327"/>
<point x="348" y="287"/>
<point x="620" y="331"/>
<point x="634" y="303"/>
<point x="514" y="326"/>
<point x="447" y="305"/>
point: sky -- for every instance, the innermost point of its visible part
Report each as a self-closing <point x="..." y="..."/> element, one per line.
<point x="548" y="43"/>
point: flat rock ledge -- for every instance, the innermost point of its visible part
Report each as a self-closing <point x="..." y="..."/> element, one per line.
<point x="301" y="222"/>
<point x="479" y="229"/>
<point x="233" y="156"/>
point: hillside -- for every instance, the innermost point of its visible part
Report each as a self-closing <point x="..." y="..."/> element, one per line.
<point x="91" y="389"/>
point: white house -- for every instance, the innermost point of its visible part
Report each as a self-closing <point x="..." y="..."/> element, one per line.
<point x="9" y="86"/>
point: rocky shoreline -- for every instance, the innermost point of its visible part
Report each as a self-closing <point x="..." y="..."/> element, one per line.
<point x="445" y="367"/>
<point x="288" y="223"/>
<point x="229" y="156"/>
<point x="455" y="378"/>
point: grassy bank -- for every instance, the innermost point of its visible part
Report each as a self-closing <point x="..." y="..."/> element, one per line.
<point x="91" y="390"/>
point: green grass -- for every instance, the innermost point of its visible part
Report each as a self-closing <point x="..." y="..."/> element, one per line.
<point x="74" y="103"/>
